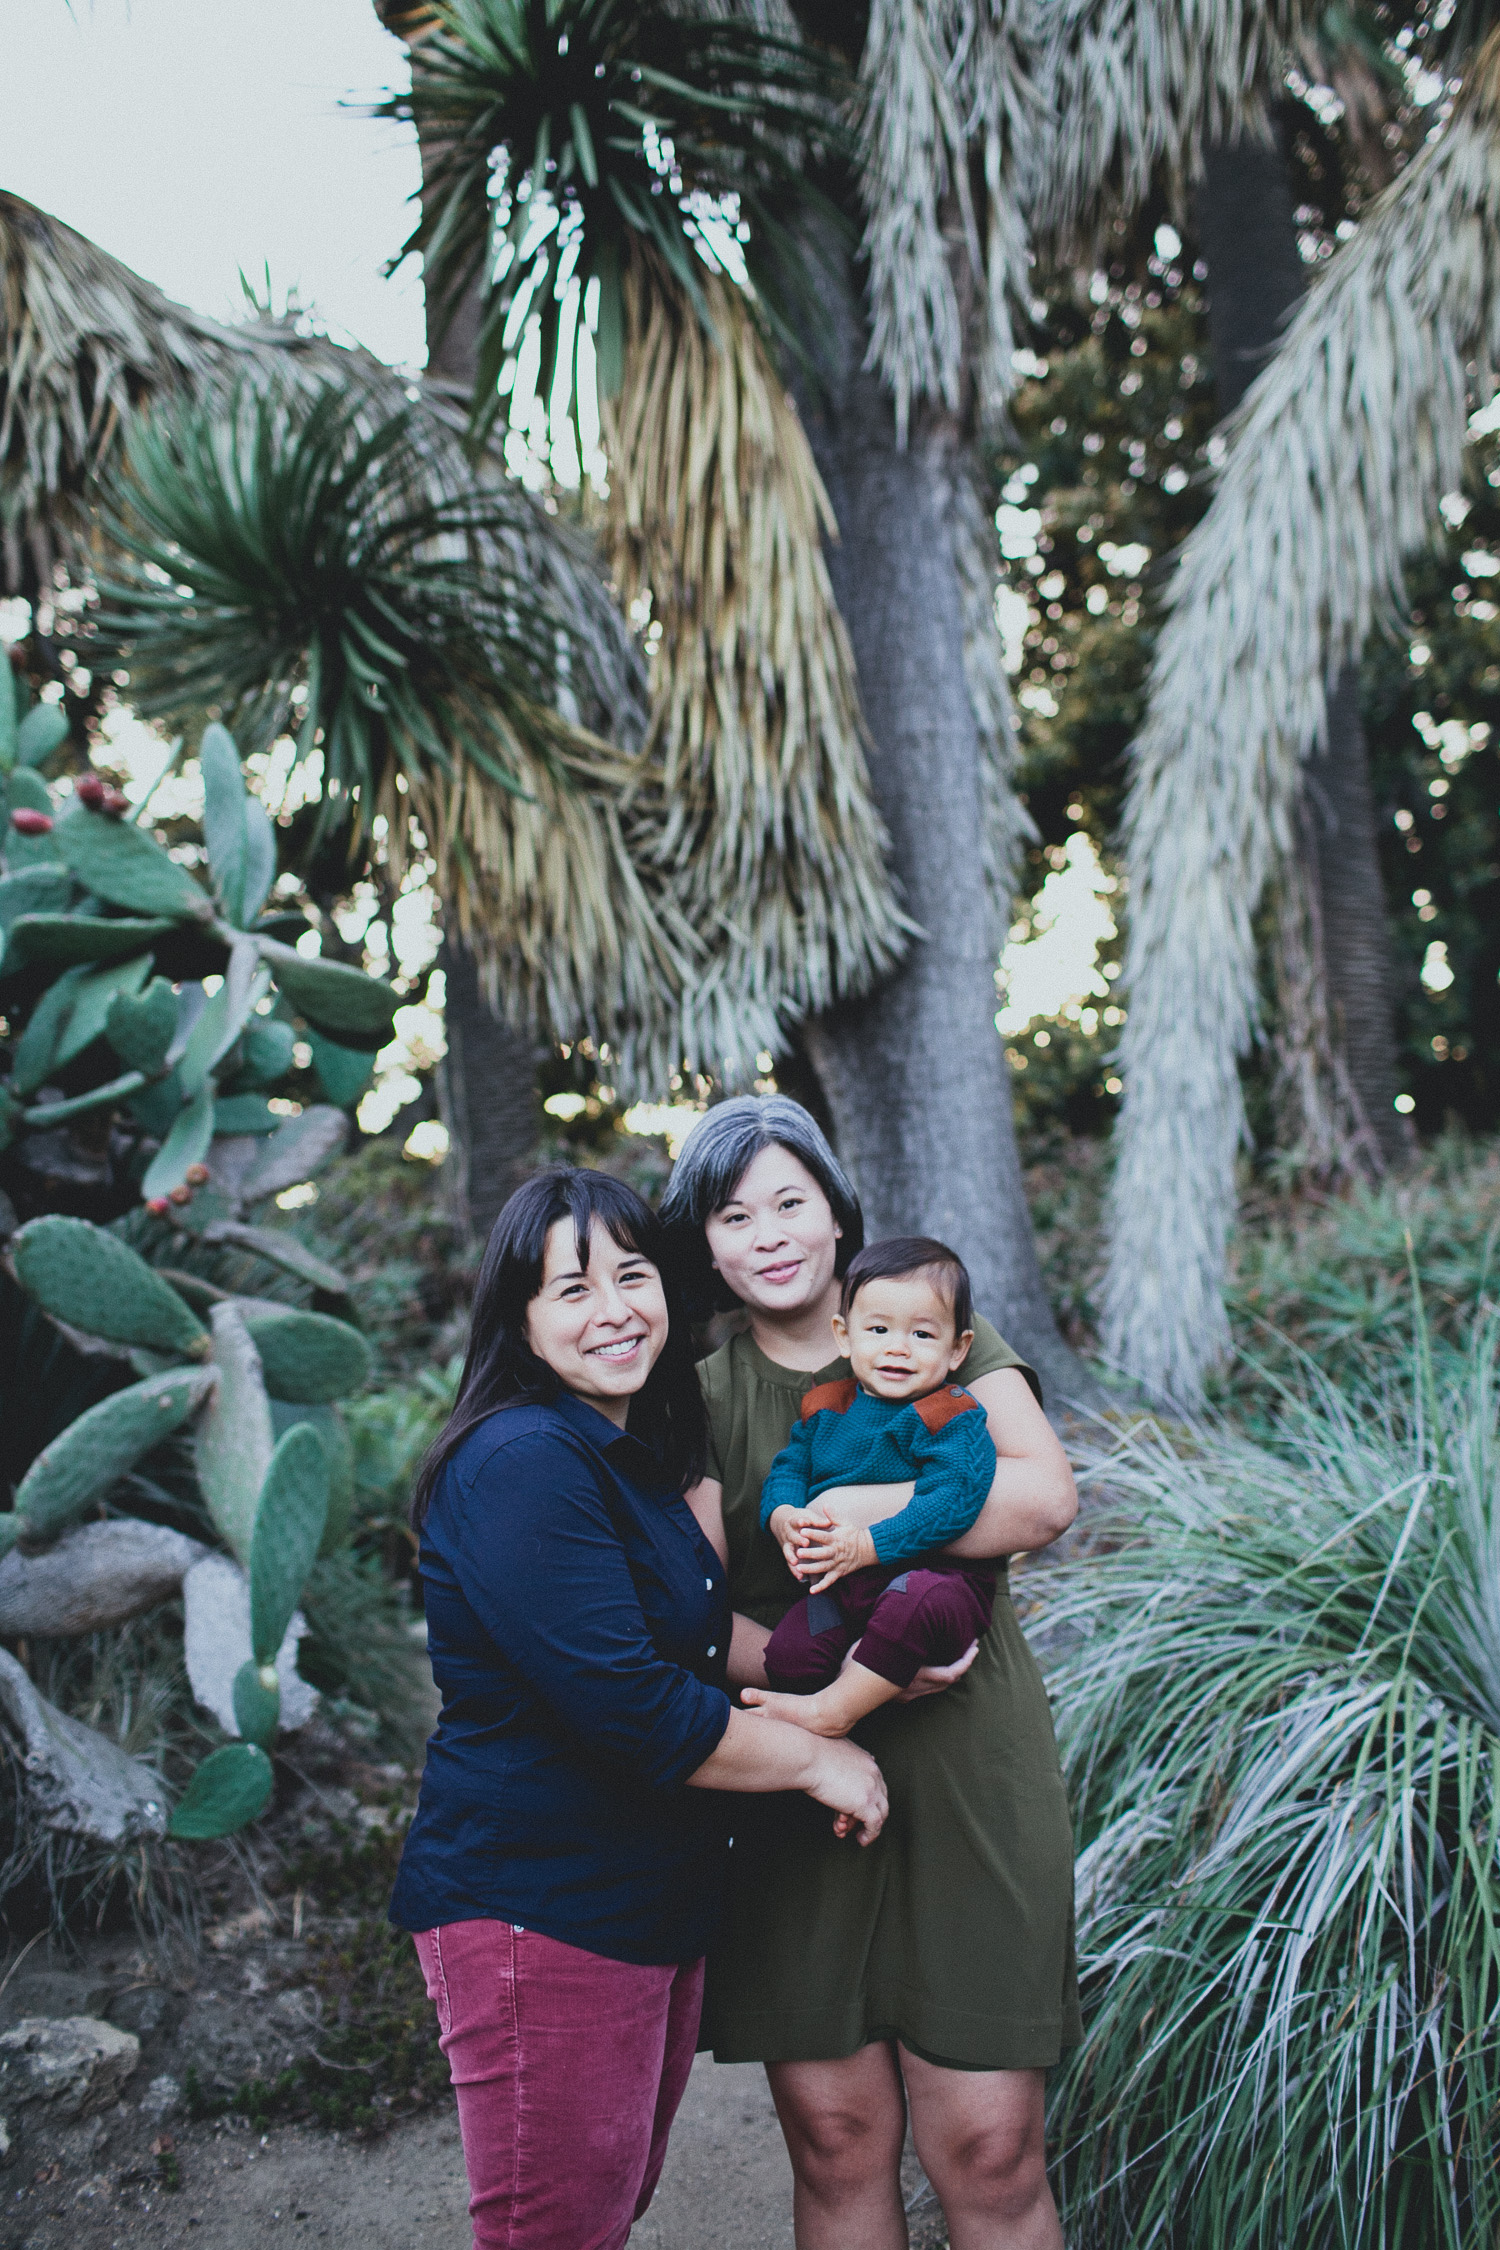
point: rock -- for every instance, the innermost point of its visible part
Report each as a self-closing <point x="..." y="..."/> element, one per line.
<point x="75" y="2064"/>
<point x="97" y="1575"/>
<point x="78" y="1780"/>
<point x="54" y="1992"/>
<point x="162" y="2099"/>
<point x="216" y="1642"/>
<point x="7" y="2141"/>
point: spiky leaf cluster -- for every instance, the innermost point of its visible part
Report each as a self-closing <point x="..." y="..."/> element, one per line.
<point x="562" y="131"/>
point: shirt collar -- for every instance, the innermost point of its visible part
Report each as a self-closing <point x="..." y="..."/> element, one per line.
<point x="622" y="1451"/>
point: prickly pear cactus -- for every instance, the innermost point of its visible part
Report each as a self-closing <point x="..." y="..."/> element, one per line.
<point x="148" y="1021"/>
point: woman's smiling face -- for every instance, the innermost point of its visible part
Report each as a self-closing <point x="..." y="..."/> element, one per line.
<point x="775" y="1240"/>
<point x="600" y="1327"/>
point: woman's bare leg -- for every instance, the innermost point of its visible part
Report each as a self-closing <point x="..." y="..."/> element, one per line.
<point x="981" y="2138"/>
<point x="844" y="2124"/>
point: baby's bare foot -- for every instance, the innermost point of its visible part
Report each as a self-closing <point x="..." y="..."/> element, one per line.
<point x="809" y="1711"/>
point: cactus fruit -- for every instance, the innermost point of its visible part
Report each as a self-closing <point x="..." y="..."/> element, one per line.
<point x="92" y="1454"/>
<point x="141" y="1026"/>
<point x="308" y="1358"/>
<point x="257" y="1702"/>
<point x="27" y="821"/>
<point x="95" y="1282"/>
<point x="231" y="1787"/>
<point x="343" y="1003"/>
<point x="289" y="1522"/>
<point x="185" y="1145"/>
<point x="27" y="792"/>
<point x="234" y="1442"/>
<point x="89" y="790"/>
<point x="121" y="863"/>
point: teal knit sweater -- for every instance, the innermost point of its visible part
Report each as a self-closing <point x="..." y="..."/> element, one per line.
<point x="885" y="1441"/>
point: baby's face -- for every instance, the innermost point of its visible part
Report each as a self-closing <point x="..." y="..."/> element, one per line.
<point x="900" y="1337"/>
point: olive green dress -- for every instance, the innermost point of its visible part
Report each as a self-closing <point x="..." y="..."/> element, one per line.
<point x="953" y="1932"/>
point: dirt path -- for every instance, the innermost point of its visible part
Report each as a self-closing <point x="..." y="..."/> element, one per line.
<point x="726" y="2185"/>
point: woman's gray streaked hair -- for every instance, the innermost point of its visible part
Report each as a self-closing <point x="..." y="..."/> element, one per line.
<point x="719" y="1151"/>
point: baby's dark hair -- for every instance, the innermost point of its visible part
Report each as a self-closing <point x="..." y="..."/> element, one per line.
<point x="903" y="1257"/>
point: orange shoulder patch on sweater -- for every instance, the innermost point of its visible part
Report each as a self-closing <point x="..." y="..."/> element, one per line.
<point x="938" y="1409"/>
<point x="830" y="1398"/>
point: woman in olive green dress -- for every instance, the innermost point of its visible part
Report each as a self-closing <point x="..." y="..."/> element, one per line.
<point x="935" y="1971"/>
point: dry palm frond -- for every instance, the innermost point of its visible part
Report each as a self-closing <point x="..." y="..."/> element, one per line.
<point x="1133" y="85"/>
<point x="759" y="793"/>
<point x="939" y="78"/>
<point x="1337" y="462"/>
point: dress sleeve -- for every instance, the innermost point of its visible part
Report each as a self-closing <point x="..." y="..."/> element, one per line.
<point x="539" y="1561"/>
<point x="988" y="1353"/>
<point x="955" y="1468"/>
<point x="789" y="1478"/>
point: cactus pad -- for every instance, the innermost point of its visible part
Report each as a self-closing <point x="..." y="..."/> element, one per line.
<point x="141" y="1026"/>
<point x="266" y="1050"/>
<point x="121" y="863"/>
<point x="43" y="730"/>
<point x="257" y="1702"/>
<point x="309" y="1358"/>
<point x="343" y="1072"/>
<point x="234" y="1442"/>
<point x="333" y="1435"/>
<point x="288" y="1532"/>
<point x="241" y="841"/>
<point x="92" y="1454"/>
<point x="92" y="1001"/>
<point x="186" y="1144"/>
<point x="341" y="1002"/>
<point x="95" y="1282"/>
<point x="231" y="1787"/>
<point x="34" y="890"/>
<point x="61" y="939"/>
<point x="302" y="1147"/>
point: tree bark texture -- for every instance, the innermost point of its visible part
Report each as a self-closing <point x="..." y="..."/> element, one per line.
<point x="915" y="1074"/>
<point x="487" y="1081"/>
<point x="1248" y="234"/>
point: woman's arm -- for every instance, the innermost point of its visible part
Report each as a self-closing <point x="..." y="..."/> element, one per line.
<point x="757" y="1755"/>
<point x="1033" y="1498"/>
<point x="747" y="1653"/>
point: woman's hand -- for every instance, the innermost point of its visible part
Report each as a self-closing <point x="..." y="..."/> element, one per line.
<point x="933" y="1678"/>
<point x="851" y="1783"/>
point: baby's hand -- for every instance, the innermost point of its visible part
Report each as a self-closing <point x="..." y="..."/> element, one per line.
<point x="834" y="1549"/>
<point x="788" y="1527"/>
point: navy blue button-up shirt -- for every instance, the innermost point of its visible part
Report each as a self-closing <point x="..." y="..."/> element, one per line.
<point x="578" y="1625"/>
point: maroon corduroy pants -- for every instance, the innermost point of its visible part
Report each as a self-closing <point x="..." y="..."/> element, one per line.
<point x="568" y="2070"/>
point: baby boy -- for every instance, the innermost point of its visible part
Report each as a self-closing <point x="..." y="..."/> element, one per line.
<point x="905" y="1323"/>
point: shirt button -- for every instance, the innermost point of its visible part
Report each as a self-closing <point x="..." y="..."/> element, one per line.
<point x="713" y="1651"/>
<point x="708" y="1582"/>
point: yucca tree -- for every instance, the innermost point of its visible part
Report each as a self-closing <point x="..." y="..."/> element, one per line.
<point x="761" y="674"/>
<point x="1336" y="463"/>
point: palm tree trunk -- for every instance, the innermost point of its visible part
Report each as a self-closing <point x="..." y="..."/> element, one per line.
<point x="1336" y="1100"/>
<point x="915" y="1074"/>
<point x="487" y="1080"/>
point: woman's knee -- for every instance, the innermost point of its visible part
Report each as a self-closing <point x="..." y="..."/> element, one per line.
<point x="1000" y="2169"/>
<point x="840" y="2135"/>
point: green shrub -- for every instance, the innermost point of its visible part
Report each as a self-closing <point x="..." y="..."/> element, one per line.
<point x="1277" y="1674"/>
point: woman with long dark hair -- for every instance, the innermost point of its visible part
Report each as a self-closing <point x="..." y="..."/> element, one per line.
<point x="564" y="1870"/>
<point x="933" y="1976"/>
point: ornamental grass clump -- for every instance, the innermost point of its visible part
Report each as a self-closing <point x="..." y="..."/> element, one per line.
<point x="1277" y="1674"/>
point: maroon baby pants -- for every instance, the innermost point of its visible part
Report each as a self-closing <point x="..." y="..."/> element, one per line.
<point x="902" y="1615"/>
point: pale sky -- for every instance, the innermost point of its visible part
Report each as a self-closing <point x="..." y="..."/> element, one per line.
<point x="192" y="138"/>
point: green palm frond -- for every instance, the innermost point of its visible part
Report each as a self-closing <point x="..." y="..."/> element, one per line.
<point x="1279" y="1700"/>
<point x="1336" y="464"/>
<point x="289" y="550"/>
<point x="559" y="133"/>
<point x="296" y="561"/>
